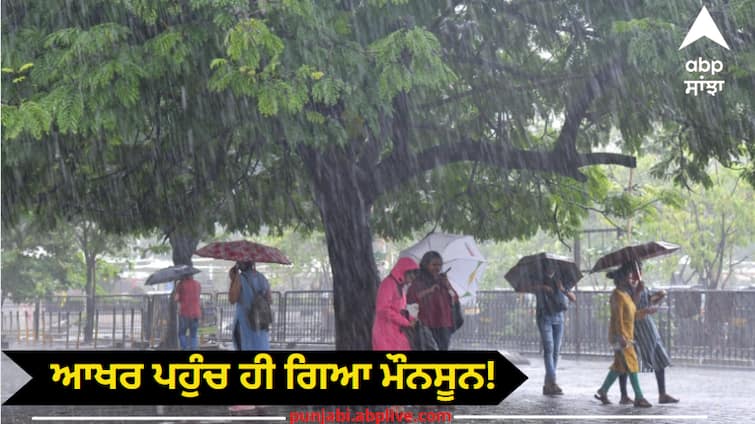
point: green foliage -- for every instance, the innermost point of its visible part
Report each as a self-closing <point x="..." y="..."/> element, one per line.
<point x="713" y="225"/>
<point x="409" y="58"/>
<point x="39" y="261"/>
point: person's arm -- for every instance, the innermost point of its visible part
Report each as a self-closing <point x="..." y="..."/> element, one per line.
<point x="543" y="288"/>
<point x="416" y="294"/>
<point x="387" y="305"/>
<point x="657" y="297"/>
<point x="571" y="296"/>
<point x="642" y="313"/>
<point x="234" y="291"/>
<point x="421" y="294"/>
<point x="449" y="288"/>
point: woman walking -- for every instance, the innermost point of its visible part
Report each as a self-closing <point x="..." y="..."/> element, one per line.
<point x="434" y="294"/>
<point x="653" y="356"/>
<point x="621" y="333"/>
<point x="246" y="283"/>
<point x="391" y="301"/>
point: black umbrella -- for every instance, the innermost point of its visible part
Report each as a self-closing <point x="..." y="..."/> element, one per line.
<point x="171" y="273"/>
<point x="530" y="271"/>
<point x="635" y="253"/>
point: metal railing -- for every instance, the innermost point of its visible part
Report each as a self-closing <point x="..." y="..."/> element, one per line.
<point x="701" y="326"/>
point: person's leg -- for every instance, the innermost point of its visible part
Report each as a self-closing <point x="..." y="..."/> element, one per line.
<point x="625" y="399"/>
<point x="182" y="327"/>
<point x="602" y="394"/>
<point x="558" y="332"/>
<point x="546" y="338"/>
<point x="660" y="378"/>
<point x="193" y="334"/>
<point x="444" y="338"/>
<point x="663" y="397"/>
<point x="639" y="399"/>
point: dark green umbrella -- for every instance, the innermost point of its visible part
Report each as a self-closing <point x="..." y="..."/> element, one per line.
<point x="530" y="271"/>
<point x="171" y="273"/>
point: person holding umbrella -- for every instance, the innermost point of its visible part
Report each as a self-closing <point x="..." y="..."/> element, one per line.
<point x="389" y="320"/>
<point x="187" y="295"/>
<point x="551" y="303"/>
<point x="434" y="294"/>
<point x="621" y="333"/>
<point x="246" y="283"/>
<point x="653" y="356"/>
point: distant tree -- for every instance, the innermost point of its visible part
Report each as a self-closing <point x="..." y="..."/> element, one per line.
<point x="711" y="224"/>
<point x="38" y="262"/>
<point x="41" y="258"/>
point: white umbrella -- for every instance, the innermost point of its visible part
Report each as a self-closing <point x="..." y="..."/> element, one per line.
<point x="461" y="254"/>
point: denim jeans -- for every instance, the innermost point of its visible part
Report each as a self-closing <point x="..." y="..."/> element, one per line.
<point x="551" y="329"/>
<point x="192" y="325"/>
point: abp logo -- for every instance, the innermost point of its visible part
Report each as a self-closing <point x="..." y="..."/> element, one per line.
<point x="704" y="26"/>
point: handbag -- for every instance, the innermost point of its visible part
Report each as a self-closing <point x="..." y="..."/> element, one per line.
<point x="457" y="315"/>
<point x="420" y="337"/>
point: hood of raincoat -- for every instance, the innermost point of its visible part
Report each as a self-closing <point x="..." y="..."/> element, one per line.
<point x="403" y="265"/>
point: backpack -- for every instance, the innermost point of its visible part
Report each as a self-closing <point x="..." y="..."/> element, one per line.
<point x="260" y="315"/>
<point x="554" y="302"/>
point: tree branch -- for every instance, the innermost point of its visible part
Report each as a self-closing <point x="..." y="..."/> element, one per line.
<point x="576" y="111"/>
<point x="391" y="174"/>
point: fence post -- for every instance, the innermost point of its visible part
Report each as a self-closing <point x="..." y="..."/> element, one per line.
<point x="26" y="325"/>
<point x="96" y="326"/>
<point x="147" y="324"/>
<point x="78" y="331"/>
<point x="36" y="319"/>
<point x="669" y="334"/>
<point x="68" y="327"/>
<point x="115" y="324"/>
<point x="285" y="318"/>
<point x="577" y="333"/>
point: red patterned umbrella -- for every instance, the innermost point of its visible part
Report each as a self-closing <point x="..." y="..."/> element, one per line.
<point x="243" y="251"/>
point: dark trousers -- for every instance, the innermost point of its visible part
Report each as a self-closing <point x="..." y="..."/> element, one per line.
<point x="442" y="337"/>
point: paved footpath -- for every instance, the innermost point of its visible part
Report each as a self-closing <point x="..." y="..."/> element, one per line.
<point x="721" y="395"/>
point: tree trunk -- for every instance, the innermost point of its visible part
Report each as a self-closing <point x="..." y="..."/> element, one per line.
<point x="183" y="246"/>
<point x="355" y="276"/>
<point x="91" y="292"/>
<point x="345" y="215"/>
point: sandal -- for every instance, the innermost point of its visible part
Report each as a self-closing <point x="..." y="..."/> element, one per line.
<point x="642" y="403"/>
<point x="665" y="398"/>
<point x="603" y="397"/>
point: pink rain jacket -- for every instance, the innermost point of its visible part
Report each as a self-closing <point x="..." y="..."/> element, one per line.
<point x="386" y="331"/>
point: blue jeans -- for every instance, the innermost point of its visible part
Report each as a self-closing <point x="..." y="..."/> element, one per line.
<point x="551" y="329"/>
<point x="192" y="325"/>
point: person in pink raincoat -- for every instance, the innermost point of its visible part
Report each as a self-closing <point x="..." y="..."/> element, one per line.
<point x="391" y="300"/>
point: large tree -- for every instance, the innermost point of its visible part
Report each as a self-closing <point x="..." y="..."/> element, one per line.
<point x="480" y="116"/>
<point x="379" y="116"/>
